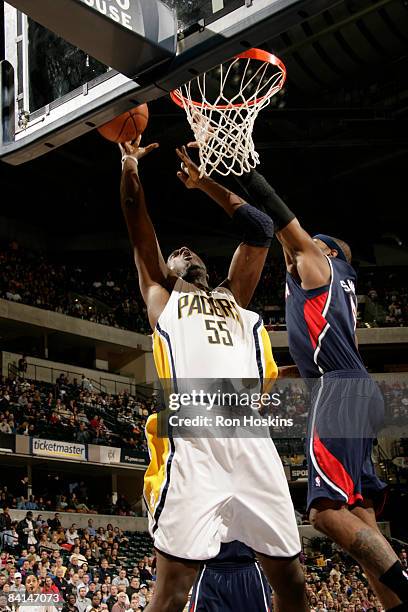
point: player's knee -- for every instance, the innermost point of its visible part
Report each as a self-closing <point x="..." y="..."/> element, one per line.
<point x="174" y="601"/>
<point x="324" y="515"/>
<point x="319" y="521"/>
<point x="291" y="586"/>
<point x="297" y="579"/>
<point x="178" y="601"/>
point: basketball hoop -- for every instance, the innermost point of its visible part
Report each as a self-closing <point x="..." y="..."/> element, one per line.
<point x="232" y="96"/>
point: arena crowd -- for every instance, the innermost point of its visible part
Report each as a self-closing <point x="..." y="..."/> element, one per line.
<point x="112" y="297"/>
<point x="72" y="410"/>
<point x="105" y="569"/>
<point x="87" y="569"/>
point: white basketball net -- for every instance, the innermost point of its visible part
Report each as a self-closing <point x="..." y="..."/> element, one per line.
<point x="223" y="126"/>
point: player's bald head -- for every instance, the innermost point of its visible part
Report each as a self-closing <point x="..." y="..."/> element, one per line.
<point x="188" y="265"/>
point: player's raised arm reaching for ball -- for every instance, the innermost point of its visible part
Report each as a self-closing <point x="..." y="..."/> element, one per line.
<point x="155" y="279"/>
<point x="254" y="227"/>
<point x="321" y="308"/>
<point x="193" y="486"/>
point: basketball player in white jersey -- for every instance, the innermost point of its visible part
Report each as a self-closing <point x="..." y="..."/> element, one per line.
<point x="201" y="492"/>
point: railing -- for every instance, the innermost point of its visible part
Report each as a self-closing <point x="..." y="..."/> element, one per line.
<point x="305" y="541"/>
<point x="5" y="537"/>
<point x="13" y="370"/>
<point x="38" y="372"/>
<point x="99" y="386"/>
<point x="136" y="389"/>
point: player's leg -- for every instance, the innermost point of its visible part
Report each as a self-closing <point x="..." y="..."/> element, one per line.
<point x="362" y="541"/>
<point x="287" y="580"/>
<point x="175" y="577"/>
<point x="337" y="469"/>
<point x="265" y="521"/>
<point x="231" y="588"/>
<point x="386" y="596"/>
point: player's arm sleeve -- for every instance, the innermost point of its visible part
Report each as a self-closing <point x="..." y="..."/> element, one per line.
<point x="254" y="226"/>
<point x="303" y="258"/>
<point x="264" y="197"/>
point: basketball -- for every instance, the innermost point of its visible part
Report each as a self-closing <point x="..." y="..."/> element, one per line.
<point x="128" y="126"/>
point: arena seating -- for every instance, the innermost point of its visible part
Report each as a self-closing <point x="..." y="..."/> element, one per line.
<point x="334" y="582"/>
<point x="113" y="299"/>
<point x="66" y="411"/>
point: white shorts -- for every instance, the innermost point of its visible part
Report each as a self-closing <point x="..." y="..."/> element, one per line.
<point x="202" y="492"/>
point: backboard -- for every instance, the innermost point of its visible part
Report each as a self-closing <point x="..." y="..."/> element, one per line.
<point x="61" y="92"/>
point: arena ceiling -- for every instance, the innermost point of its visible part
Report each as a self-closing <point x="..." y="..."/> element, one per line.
<point x="335" y="144"/>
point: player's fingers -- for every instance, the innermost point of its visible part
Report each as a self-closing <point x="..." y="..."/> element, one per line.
<point x="183" y="177"/>
<point x="193" y="145"/>
<point x="181" y="155"/>
<point x="151" y="147"/>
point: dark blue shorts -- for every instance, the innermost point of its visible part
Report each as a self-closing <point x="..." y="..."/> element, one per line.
<point x="231" y="588"/>
<point x="347" y="411"/>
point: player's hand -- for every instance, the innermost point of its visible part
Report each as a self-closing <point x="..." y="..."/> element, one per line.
<point x="189" y="174"/>
<point x="135" y="150"/>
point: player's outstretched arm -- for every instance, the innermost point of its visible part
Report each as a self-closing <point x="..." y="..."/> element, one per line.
<point x="254" y="226"/>
<point x="152" y="270"/>
<point x="303" y="257"/>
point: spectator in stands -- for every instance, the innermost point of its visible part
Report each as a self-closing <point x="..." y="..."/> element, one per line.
<point x="90" y="529"/>
<point x="73" y="585"/>
<point x="5" y="519"/>
<point x="374" y="312"/>
<point x="133" y="587"/>
<point x="22" y="487"/>
<point x="144" y="572"/>
<point x="121" y="579"/>
<point x="60" y="582"/>
<point x="22" y="366"/>
<point x="50" y="587"/>
<point x="70" y="604"/>
<point x="113" y="598"/>
<point x="31" y="503"/>
<point x="142" y="595"/>
<point x="25" y="530"/>
<point x="82" y="601"/>
<point x="54" y="522"/>
<point x="122" y="603"/>
<point x="135" y="603"/>
<point x="18" y="586"/>
<point x="104" y="570"/>
<point x="71" y="534"/>
<point x="86" y="384"/>
<point x="95" y="602"/>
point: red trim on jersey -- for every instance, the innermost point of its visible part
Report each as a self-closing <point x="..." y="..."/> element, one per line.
<point x="334" y="470"/>
<point x="315" y="321"/>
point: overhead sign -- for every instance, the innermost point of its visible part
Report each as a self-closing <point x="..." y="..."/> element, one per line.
<point x="132" y="36"/>
<point x="62" y="450"/>
<point x="296" y="473"/>
<point x="135" y="457"/>
<point x="7" y="443"/>
<point x="120" y="11"/>
<point x="109" y="454"/>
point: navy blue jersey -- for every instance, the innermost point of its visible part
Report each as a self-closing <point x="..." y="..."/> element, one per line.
<point x="321" y="323"/>
<point x="233" y="552"/>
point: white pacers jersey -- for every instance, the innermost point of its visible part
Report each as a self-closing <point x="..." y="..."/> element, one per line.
<point x="204" y="491"/>
<point x="205" y="334"/>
